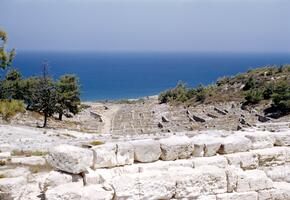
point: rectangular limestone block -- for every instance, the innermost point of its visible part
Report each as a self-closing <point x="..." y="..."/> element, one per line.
<point x="205" y="180"/>
<point x="218" y="161"/>
<point x="70" y="158"/>
<point x="176" y="147"/>
<point x="205" y="145"/>
<point x="238" y="196"/>
<point x="113" y="154"/>
<point x="261" y="139"/>
<point x="154" y="185"/>
<point x="245" y="160"/>
<point x="147" y="150"/>
<point x="235" y="143"/>
<point x="253" y="180"/>
<point x="272" y="156"/>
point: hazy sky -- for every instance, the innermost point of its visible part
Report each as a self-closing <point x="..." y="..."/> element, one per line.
<point x="148" y="25"/>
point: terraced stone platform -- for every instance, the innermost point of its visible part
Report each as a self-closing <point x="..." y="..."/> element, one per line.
<point x="252" y="165"/>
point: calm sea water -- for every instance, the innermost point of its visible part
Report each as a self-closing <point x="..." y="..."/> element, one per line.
<point x="131" y="75"/>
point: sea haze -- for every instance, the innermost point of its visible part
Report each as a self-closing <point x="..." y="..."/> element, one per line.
<point x="131" y="75"/>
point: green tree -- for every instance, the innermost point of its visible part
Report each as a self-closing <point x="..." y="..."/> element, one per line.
<point x="45" y="97"/>
<point x="29" y="89"/>
<point x="6" y="58"/>
<point x="11" y="85"/>
<point x="68" y="90"/>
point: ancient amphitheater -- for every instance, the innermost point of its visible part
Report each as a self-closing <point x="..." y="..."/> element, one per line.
<point x="252" y="164"/>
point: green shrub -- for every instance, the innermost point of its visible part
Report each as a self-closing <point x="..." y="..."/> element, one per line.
<point x="9" y="108"/>
<point x="281" y="96"/>
<point x="223" y="80"/>
<point x="268" y="91"/>
<point x="179" y="93"/>
<point x="253" y="97"/>
<point x="250" y="84"/>
<point x="200" y="93"/>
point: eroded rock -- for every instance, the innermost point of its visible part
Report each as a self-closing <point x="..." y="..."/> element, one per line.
<point x="70" y="159"/>
<point x="176" y="147"/>
<point x="147" y="150"/>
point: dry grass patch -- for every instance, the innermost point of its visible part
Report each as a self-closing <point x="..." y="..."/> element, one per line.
<point x="96" y="142"/>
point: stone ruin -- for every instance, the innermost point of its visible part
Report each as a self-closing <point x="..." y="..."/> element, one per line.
<point x="251" y="165"/>
<point x="152" y="117"/>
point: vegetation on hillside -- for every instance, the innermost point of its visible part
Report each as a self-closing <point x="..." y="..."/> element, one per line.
<point x="271" y="83"/>
<point x="39" y="94"/>
<point x="10" y="108"/>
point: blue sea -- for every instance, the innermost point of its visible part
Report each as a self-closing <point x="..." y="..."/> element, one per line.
<point x="105" y="76"/>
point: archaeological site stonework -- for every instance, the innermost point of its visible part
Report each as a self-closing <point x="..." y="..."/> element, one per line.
<point x="212" y="165"/>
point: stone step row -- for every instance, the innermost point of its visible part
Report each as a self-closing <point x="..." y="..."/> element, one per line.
<point x="261" y="174"/>
<point x="76" y="160"/>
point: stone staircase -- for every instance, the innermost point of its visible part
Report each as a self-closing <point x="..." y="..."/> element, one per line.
<point x="148" y="118"/>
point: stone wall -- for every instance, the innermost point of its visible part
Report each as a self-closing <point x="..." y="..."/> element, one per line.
<point x="209" y="166"/>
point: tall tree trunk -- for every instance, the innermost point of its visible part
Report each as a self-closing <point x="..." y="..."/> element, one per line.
<point x="60" y="116"/>
<point x="45" y="119"/>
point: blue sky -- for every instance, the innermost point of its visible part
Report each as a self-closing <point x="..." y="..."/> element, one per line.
<point x="148" y="25"/>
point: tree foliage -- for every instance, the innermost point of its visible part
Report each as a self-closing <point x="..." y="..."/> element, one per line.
<point x="182" y="93"/>
<point x="11" y="85"/>
<point x="40" y="93"/>
<point x="6" y="57"/>
<point x="68" y="91"/>
<point x="281" y="96"/>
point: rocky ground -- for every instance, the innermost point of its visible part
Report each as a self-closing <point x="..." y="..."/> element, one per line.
<point x="148" y="116"/>
<point x="145" y="150"/>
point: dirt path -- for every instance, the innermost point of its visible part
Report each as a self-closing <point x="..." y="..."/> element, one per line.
<point x="108" y="117"/>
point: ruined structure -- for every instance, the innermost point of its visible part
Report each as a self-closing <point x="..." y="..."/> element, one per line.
<point x="213" y="165"/>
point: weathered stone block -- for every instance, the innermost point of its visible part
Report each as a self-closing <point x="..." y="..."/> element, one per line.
<point x="113" y="154"/>
<point x="75" y="191"/>
<point x="253" y="180"/>
<point x="261" y="139"/>
<point x="238" y="196"/>
<point x="205" y="145"/>
<point x="205" y="180"/>
<point x="70" y="159"/>
<point x="105" y="155"/>
<point x="55" y="178"/>
<point x="272" y="156"/>
<point x="235" y="143"/>
<point x="176" y="147"/>
<point x="147" y="150"/>
<point x="144" y="186"/>
<point x="245" y="160"/>
<point x="11" y="184"/>
<point x="217" y="161"/>
<point x="282" y="138"/>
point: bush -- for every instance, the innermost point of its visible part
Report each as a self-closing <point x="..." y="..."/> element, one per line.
<point x="200" y="93"/>
<point x="179" y="93"/>
<point x="9" y="108"/>
<point x="253" y="97"/>
<point x="223" y="80"/>
<point x="250" y="84"/>
<point x="268" y="91"/>
<point x="281" y="96"/>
